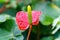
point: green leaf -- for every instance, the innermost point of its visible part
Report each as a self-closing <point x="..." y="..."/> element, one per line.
<point x="8" y="24"/>
<point x="5" y="35"/>
<point x="20" y="37"/>
<point x="47" y="9"/>
<point x="46" y="20"/>
<point x="13" y="3"/>
<point x="3" y="1"/>
<point x="57" y="2"/>
<point x="8" y="30"/>
<point x="10" y="11"/>
<point x="17" y="32"/>
<point x="57" y="35"/>
<point x="48" y="12"/>
<point x="48" y="38"/>
<point x="27" y="2"/>
<point x="2" y="18"/>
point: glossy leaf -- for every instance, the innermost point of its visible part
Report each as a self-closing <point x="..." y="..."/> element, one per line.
<point x="47" y="14"/>
<point x="48" y="38"/>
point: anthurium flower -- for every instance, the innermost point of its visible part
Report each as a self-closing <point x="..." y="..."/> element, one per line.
<point x="22" y="19"/>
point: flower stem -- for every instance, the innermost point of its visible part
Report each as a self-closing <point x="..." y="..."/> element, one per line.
<point x="29" y="31"/>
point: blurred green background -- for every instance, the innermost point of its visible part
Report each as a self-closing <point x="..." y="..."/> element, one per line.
<point x="9" y="30"/>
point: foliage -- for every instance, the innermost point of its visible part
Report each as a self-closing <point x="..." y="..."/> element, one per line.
<point x="50" y="10"/>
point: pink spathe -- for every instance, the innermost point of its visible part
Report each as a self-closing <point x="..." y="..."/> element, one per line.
<point x="22" y="19"/>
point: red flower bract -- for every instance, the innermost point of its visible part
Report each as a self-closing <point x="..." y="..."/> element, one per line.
<point x="22" y="19"/>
